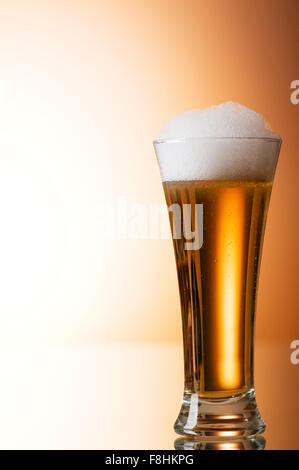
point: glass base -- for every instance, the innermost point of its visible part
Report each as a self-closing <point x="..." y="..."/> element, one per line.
<point x="242" y="443"/>
<point x="217" y="418"/>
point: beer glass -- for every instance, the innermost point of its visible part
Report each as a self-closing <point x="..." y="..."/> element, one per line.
<point x="218" y="275"/>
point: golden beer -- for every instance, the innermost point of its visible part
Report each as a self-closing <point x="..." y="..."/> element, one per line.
<point x="219" y="164"/>
<point x="217" y="283"/>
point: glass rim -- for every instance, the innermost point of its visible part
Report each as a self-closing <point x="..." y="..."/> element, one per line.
<point x="195" y="139"/>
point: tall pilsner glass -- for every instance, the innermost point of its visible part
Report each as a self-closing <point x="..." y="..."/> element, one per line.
<point x="218" y="279"/>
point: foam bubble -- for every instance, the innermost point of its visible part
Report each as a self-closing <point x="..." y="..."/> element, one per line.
<point x="228" y="141"/>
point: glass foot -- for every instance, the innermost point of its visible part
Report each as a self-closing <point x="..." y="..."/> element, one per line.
<point x="243" y="443"/>
<point x="230" y="418"/>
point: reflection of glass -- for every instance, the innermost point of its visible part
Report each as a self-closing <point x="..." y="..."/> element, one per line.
<point x="189" y="443"/>
<point x="218" y="281"/>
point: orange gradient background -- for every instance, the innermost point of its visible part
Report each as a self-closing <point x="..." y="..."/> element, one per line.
<point x="84" y="88"/>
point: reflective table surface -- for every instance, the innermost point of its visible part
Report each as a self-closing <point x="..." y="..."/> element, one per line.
<point x="120" y="396"/>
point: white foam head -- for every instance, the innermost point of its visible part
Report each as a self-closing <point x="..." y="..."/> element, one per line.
<point x="228" y="141"/>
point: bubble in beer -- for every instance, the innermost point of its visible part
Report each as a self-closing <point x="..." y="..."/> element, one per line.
<point x="228" y="141"/>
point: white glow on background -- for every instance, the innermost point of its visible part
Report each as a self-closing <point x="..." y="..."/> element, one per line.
<point x="67" y="145"/>
<point x="2" y="93"/>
